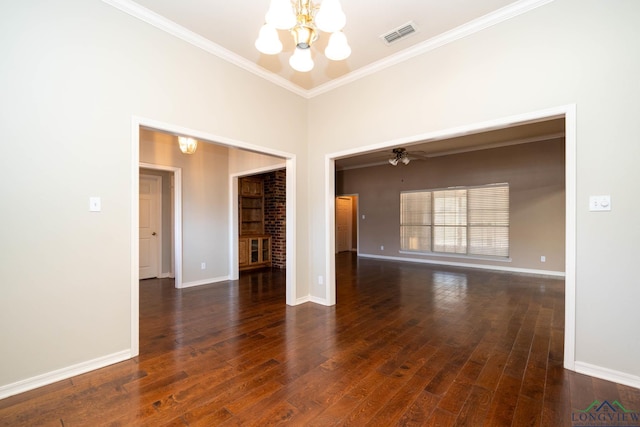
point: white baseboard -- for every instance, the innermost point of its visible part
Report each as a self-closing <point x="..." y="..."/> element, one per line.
<point x="168" y="275"/>
<point x="63" y="374"/>
<point x="204" y="282"/>
<point x="316" y="300"/>
<point x="310" y="298"/>
<point x="468" y="265"/>
<point x="607" y="374"/>
<point x="303" y="300"/>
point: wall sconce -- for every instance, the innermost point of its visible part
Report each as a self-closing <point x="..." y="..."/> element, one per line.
<point x="187" y="145"/>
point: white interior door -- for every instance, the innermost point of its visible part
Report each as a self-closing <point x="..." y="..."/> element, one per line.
<point x="149" y="226"/>
<point x="343" y="224"/>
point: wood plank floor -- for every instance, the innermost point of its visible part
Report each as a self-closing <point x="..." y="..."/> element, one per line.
<point x="405" y="345"/>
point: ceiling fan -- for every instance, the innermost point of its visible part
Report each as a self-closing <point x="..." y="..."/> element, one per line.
<point x="401" y="155"/>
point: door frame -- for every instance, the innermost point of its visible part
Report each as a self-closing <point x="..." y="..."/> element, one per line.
<point x="234" y="214"/>
<point x="346" y="196"/>
<point x="158" y="214"/>
<point x="176" y="222"/>
<point x="568" y="112"/>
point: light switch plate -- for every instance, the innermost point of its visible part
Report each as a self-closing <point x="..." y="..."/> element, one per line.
<point x="599" y="203"/>
<point x="95" y="204"/>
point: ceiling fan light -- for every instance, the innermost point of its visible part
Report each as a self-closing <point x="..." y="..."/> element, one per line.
<point x="330" y="18"/>
<point x="393" y="161"/>
<point x="187" y="145"/>
<point x="268" y="41"/>
<point x="301" y="60"/>
<point x="405" y="160"/>
<point x="280" y="14"/>
<point x="338" y="47"/>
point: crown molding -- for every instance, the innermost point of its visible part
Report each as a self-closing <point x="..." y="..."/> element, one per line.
<point x="134" y="9"/>
<point x="471" y="27"/>
<point x="479" y="24"/>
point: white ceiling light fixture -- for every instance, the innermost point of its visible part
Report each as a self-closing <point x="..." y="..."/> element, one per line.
<point x="187" y="145"/>
<point x="303" y="18"/>
<point x="400" y="155"/>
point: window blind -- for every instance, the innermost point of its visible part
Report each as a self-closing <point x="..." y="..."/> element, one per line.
<point x="488" y="216"/>
<point x="415" y="221"/>
<point x="471" y="220"/>
<point x="450" y="221"/>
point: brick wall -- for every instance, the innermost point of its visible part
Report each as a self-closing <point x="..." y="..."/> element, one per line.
<point x="275" y="215"/>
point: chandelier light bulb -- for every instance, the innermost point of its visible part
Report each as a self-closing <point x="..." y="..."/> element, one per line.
<point x="280" y="14"/>
<point x="338" y="47"/>
<point x="268" y="41"/>
<point x="330" y="18"/>
<point x="304" y="19"/>
<point x="301" y="60"/>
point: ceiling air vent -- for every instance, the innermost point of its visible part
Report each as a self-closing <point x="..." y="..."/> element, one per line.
<point x="399" y="33"/>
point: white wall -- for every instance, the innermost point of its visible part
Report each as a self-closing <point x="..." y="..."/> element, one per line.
<point x="73" y="73"/>
<point x="569" y="51"/>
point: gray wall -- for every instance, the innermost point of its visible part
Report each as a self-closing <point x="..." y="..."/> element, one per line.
<point x="535" y="173"/>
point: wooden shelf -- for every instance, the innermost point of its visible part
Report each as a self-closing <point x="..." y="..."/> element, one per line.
<point x="251" y="201"/>
<point x="254" y="247"/>
<point x="254" y="252"/>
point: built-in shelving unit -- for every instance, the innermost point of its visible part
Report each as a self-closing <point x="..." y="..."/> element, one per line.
<point x="254" y="247"/>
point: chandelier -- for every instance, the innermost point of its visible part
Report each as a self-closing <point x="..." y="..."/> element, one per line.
<point x="400" y="156"/>
<point x="303" y="19"/>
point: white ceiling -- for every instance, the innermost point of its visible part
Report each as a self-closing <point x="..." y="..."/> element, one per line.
<point x="231" y="27"/>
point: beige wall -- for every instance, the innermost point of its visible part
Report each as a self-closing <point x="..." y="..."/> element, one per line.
<point x="534" y="172"/>
<point x="566" y="52"/>
<point x="206" y="222"/>
<point x="74" y="74"/>
<point x="205" y="203"/>
<point x="242" y="162"/>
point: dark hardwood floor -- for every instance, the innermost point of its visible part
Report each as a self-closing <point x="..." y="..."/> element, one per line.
<point x="406" y="344"/>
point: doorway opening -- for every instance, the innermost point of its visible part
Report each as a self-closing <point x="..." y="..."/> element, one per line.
<point x="169" y="213"/>
<point x="231" y="245"/>
<point x="262" y="219"/>
<point x="346" y="223"/>
<point x="567" y="113"/>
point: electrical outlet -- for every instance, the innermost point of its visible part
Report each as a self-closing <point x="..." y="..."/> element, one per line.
<point x="320" y="280"/>
<point x="203" y="265"/>
<point x="543" y="258"/>
<point x="382" y="248"/>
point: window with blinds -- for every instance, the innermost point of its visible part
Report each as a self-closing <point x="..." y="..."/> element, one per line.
<point x="415" y="221"/>
<point x="469" y="221"/>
